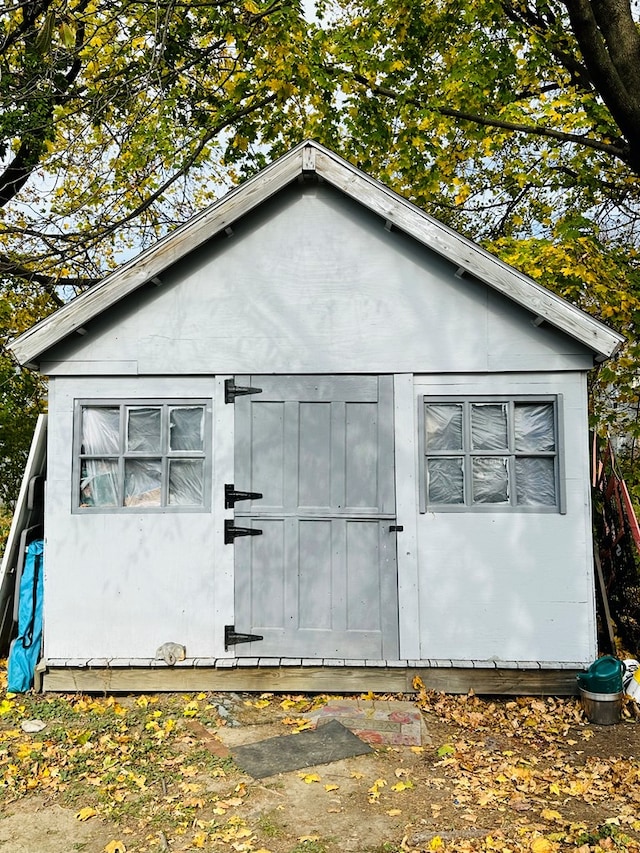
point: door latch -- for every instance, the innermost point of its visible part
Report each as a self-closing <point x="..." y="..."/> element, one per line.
<point x="231" y="495"/>
<point x="231" y="531"/>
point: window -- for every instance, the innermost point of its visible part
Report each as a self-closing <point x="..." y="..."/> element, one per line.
<point x="142" y="455"/>
<point x="490" y="453"/>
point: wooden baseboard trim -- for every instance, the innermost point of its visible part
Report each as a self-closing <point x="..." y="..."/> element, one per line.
<point x="309" y="679"/>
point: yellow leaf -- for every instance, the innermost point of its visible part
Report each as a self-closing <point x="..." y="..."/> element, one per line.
<point x="394" y="812"/>
<point x="554" y="788"/>
<point x="308" y="778"/>
<point x="401" y="786"/>
<point x="550" y="814"/>
<point x="199" y="839"/>
<point x="436" y="843"/>
<point x="357" y="775"/>
<point x="541" y="845"/>
<point x="331" y="787"/>
<point x="115" y="847"/>
<point x="86" y="813"/>
<point x="417" y="749"/>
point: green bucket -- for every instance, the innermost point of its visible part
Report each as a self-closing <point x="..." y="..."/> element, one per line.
<point x="603" y="676"/>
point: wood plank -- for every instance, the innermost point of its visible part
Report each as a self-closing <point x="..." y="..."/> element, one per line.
<point x="406" y="453"/>
<point x="313" y="679"/>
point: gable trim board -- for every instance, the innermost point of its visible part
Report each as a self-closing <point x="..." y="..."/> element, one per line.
<point x="311" y="157"/>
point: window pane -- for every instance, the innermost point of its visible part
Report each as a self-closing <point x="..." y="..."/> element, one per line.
<point x="534" y="427"/>
<point x="443" y="423"/>
<point x="144" y="430"/>
<point x="535" y="482"/>
<point x="490" y="481"/>
<point x="186" y="482"/>
<point x="445" y="481"/>
<point x="99" y="482"/>
<point x="489" y="426"/>
<point x="186" y="428"/>
<point x="142" y="478"/>
<point x="100" y="429"/>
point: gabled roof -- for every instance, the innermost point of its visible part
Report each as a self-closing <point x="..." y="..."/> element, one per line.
<point x="307" y="158"/>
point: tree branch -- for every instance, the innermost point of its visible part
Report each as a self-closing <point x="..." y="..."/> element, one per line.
<point x="610" y="46"/>
<point x="49" y="283"/>
<point x="187" y="163"/>
<point x="621" y="152"/>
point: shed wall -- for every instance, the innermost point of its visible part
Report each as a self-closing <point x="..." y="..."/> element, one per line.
<point x="472" y="586"/>
<point x="313" y="283"/>
<point x="512" y="586"/>
<point x="118" y="585"/>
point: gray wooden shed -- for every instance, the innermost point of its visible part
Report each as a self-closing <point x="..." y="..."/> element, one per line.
<point x="316" y="416"/>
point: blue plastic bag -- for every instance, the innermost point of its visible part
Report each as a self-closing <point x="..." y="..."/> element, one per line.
<point x="25" y="649"/>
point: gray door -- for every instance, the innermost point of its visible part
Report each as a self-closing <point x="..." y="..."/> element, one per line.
<point x="321" y="579"/>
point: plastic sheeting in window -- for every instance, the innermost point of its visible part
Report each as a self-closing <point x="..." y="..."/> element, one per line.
<point x="490" y="480"/>
<point x="443" y="426"/>
<point x="186" y="482"/>
<point x="186" y="428"/>
<point x="142" y="482"/>
<point x="157" y="461"/>
<point x="100" y="430"/>
<point x="534" y="427"/>
<point x="445" y="480"/>
<point x="535" y="481"/>
<point x="144" y="430"/>
<point x="99" y="477"/>
<point x="99" y="482"/>
<point x="489" y="426"/>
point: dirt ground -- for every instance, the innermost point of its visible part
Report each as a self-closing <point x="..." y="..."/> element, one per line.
<point x="153" y="774"/>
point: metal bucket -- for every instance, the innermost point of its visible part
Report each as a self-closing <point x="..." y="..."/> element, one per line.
<point x="601" y="708"/>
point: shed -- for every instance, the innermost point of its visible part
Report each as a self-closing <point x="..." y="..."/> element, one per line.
<point x="319" y="441"/>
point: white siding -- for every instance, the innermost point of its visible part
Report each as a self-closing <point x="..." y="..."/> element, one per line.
<point x="313" y="283"/>
<point x="121" y="584"/>
<point x="511" y="586"/>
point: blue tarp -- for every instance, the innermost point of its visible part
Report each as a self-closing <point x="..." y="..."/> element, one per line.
<point x="25" y="649"/>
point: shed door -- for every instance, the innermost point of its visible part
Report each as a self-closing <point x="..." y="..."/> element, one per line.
<point x="321" y="579"/>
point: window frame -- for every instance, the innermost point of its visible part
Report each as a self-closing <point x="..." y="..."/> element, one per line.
<point x="467" y="454"/>
<point x="165" y="454"/>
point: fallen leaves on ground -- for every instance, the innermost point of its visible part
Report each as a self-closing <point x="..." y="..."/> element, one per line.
<point x="523" y="775"/>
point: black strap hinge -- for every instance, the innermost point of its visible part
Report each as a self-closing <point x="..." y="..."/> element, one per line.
<point x="231" y="495"/>
<point x="232" y="637"/>
<point x="231" y="531"/>
<point x="231" y="390"/>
